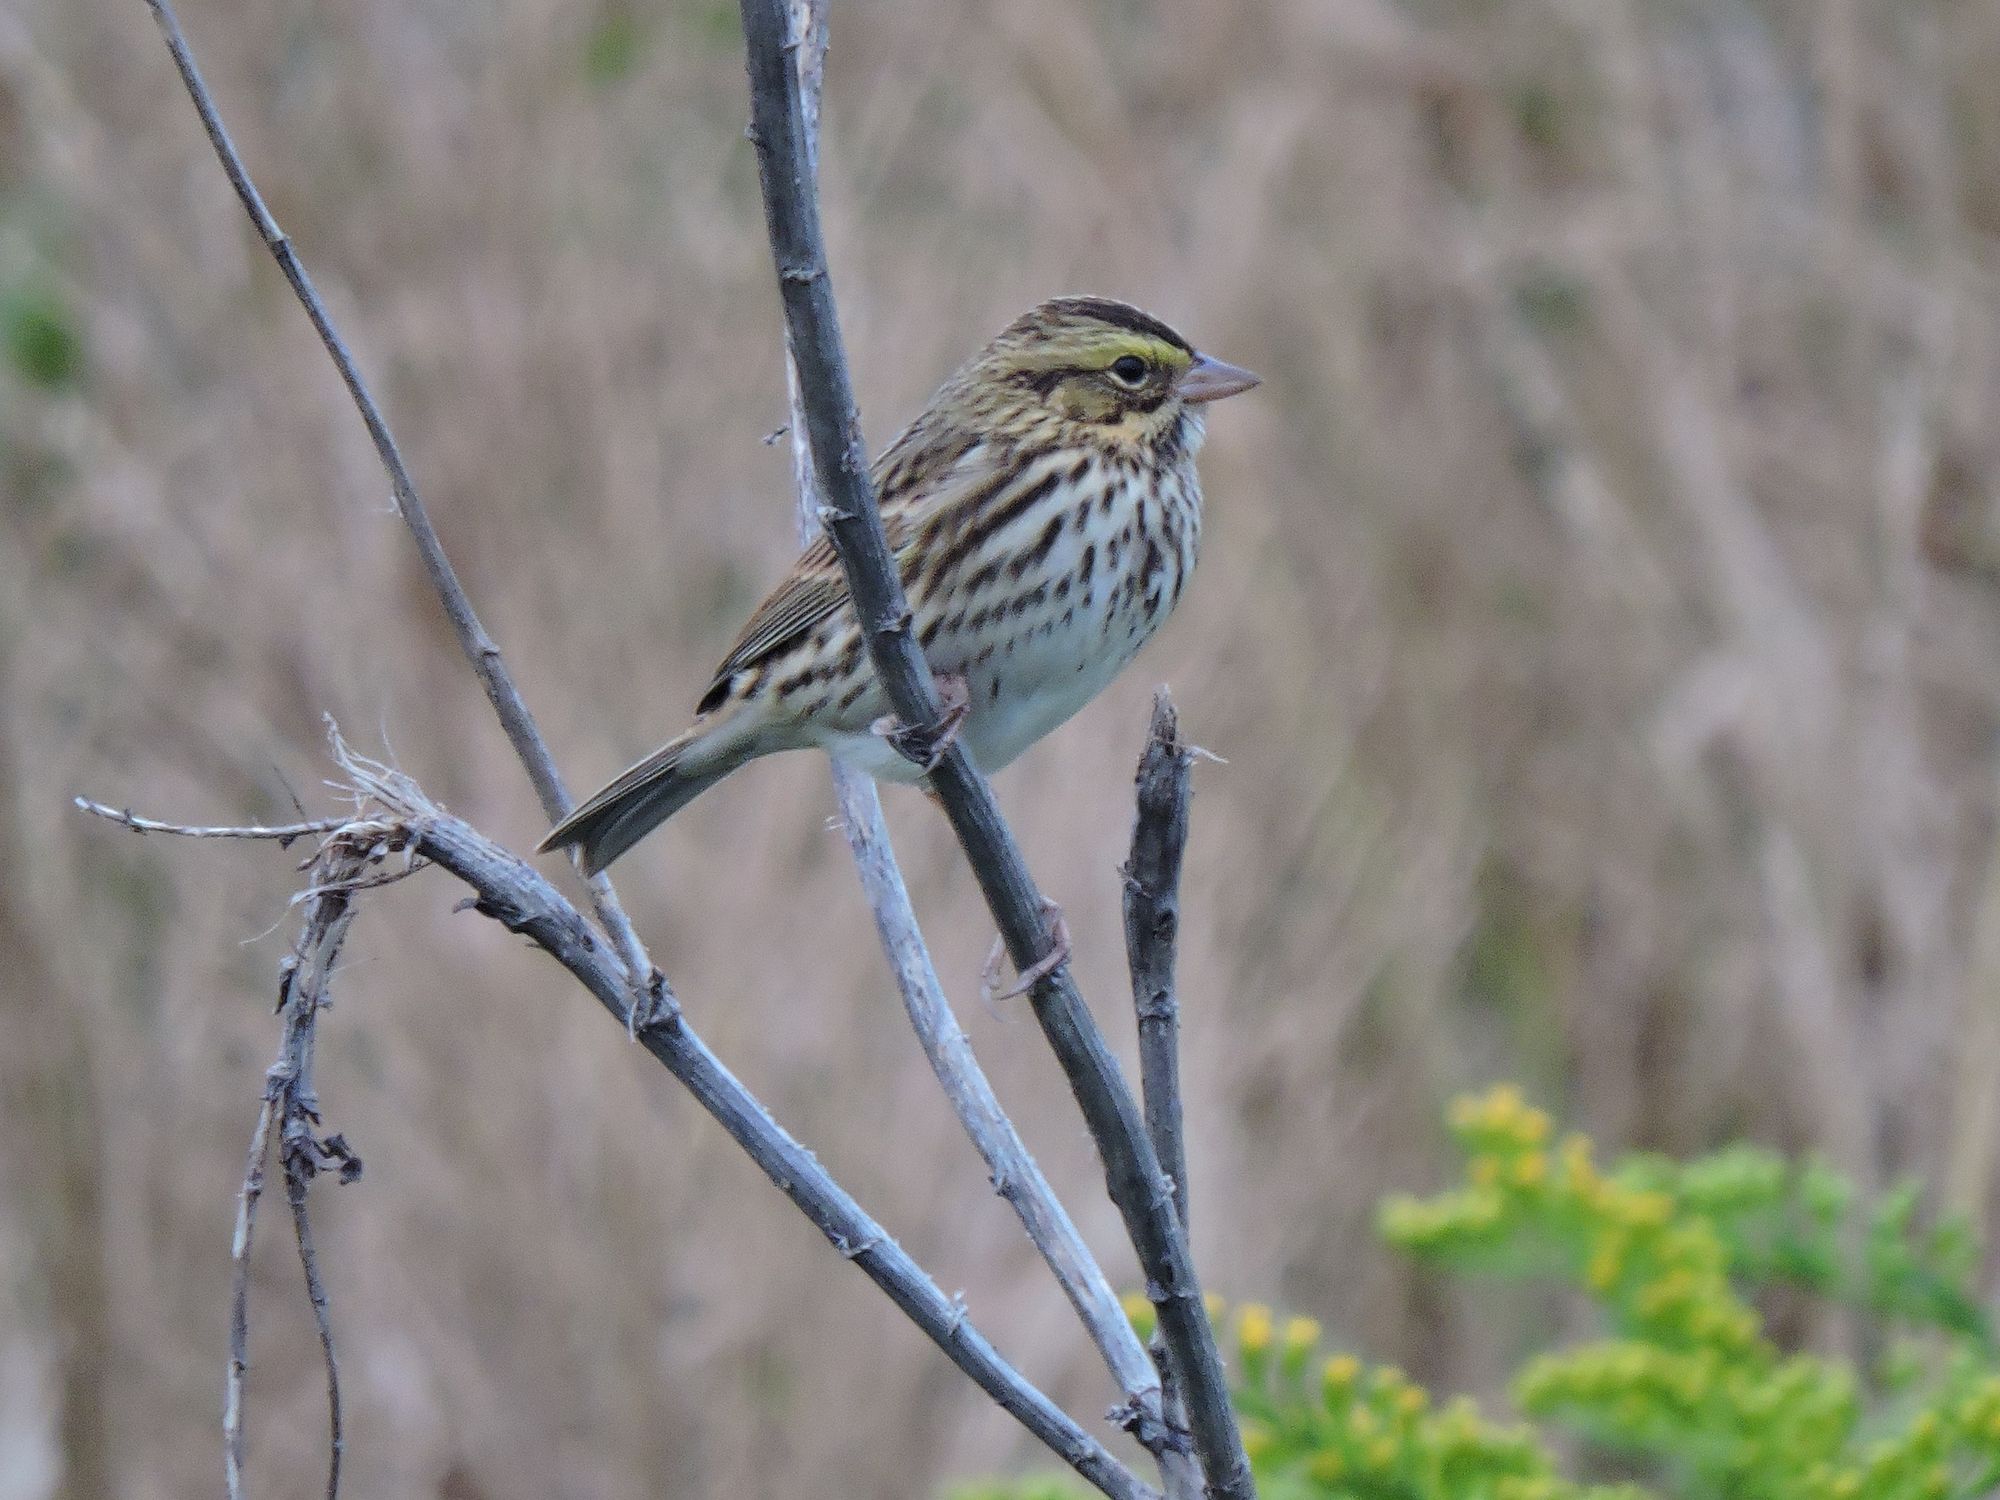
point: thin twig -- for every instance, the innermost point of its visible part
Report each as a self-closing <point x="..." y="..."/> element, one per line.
<point x="630" y="985"/>
<point x="1010" y="1167"/>
<point x="292" y="1106"/>
<point x="239" y="1295"/>
<point x="283" y="833"/>
<point x="522" y="900"/>
<point x="1152" y="926"/>
<point x="297" y="1177"/>
<point x="479" y="648"/>
<point x="1133" y="1175"/>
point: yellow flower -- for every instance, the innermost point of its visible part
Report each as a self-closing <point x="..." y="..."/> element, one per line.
<point x="1503" y="1105"/>
<point x="1256" y="1440"/>
<point x="1253" y="1328"/>
<point x="1327" y="1466"/>
<point x="1531" y="1169"/>
<point x="1602" y="1272"/>
<point x="1338" y="1375"/>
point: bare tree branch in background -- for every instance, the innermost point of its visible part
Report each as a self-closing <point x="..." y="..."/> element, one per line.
<point x="854" y="524"/>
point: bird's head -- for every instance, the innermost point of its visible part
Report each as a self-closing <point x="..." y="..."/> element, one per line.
<point x="1100" y="364"/>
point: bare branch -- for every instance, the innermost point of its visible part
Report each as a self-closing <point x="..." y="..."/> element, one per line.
<point x="1152" y="926"/>
<point x="517" y="896"/>
<point x="239" y="1298"/>
<point x="629" y="986"/>
<point x="1135" y="1180"/>
<point x="478" y="647"/>
<point x="399" y="817"/>
<point x="298" y="1174"/>
<point x="282" y="833"/>
<point x="292" y="1106"/>
<point x="1010" y="1167"/>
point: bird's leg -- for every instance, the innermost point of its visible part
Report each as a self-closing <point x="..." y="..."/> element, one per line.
<point x="1036" y="972"/>
<point x="926" y="745"/>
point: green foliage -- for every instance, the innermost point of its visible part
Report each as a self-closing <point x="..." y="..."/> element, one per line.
<point x="41" y="336"/>
<point x="1685" y="1385"/>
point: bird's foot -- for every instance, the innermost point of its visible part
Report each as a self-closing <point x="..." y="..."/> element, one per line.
<point x="1035" y="973"/>
<point x="927" y="744"/>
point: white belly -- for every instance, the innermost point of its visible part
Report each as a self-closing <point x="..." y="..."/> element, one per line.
<point x="1035" y="649"/>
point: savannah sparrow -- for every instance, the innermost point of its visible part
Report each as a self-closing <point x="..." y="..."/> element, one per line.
<point x="1044" y="511"/>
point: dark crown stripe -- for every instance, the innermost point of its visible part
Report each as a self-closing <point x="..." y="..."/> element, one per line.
<point x="1120" y="315"/>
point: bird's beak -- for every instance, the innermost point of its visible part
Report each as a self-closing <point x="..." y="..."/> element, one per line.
<point x="1210" y="379"/>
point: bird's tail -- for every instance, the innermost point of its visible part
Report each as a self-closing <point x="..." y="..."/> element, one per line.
<point x="646" y="795"/>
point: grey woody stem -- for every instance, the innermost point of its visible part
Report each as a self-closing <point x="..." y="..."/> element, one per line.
<point x="1152" y="929"/>
<point x="516" y="895"/>
<point x="628" y="985"/>
<point x="1134" y="1178"/>
<point x="1012" y="1169"/>
<point x="479" y="649"/>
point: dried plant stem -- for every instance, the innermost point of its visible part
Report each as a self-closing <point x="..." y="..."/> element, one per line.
<point x="282" y="833"/>
<point x="522" y="900"/>
<point x="298" y="1175"/>
<point x="1011" y="1168"/>
<point x="1152" y="928"/>
<point x="629" y="986"/>
<point x="478" y="646"/>
<point x="291" y="1106"/>
<point x="1137" y="1185"/>
<point x="517" y="896"/>
<point x="239" y="1283"/>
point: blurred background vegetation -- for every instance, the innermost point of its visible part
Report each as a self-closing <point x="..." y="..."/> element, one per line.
<point x="1598" y="620"/>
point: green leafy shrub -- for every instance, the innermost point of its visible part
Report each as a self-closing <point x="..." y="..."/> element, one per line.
<point x="1685" y="1386"/>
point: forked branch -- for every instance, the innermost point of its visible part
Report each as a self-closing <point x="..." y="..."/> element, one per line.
<point x="478" y="647"/>
<point x="1136" y="1182"/>
<point x="397" y="816"/>
<point x="1011" y="1168"/>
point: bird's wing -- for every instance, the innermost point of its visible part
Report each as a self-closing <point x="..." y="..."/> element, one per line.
<point x="912" y="491"/>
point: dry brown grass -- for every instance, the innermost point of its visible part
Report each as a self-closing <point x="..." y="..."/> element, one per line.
<point x="1598" y="616"/>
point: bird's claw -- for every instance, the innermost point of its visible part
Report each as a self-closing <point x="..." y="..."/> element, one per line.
<point x="927" y="744"/>
<point x="1035" y="973"/>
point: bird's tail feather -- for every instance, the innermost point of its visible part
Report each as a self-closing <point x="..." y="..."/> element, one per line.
<point x="646" y="795"/>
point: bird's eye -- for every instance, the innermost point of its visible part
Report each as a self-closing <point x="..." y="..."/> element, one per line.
<point x="1129" y="370"/>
